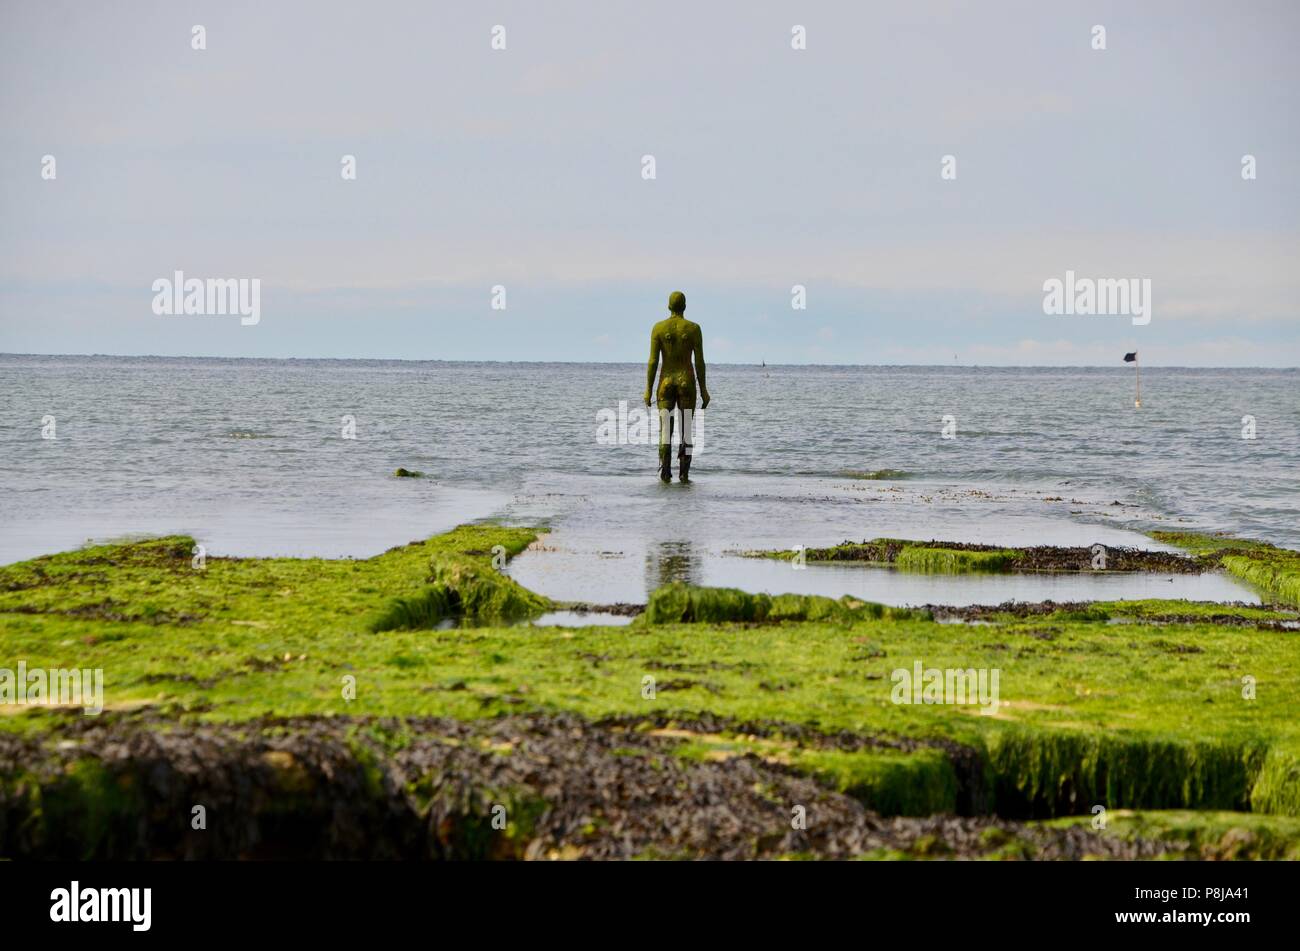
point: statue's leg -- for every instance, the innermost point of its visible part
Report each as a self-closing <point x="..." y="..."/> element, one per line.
<point x="667" y="403"/>
<point x="686" y="406"/>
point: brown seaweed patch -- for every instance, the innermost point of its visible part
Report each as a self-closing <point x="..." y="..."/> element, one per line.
<point x="123" y="787"/>
<point x="890" y="551"/>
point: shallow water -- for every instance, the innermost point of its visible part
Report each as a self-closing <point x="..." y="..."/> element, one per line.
<point x="609" y="552"/>
<point x="893" y="587"/>
<point x="248" y="456"/>
<point x="581" y="619"/>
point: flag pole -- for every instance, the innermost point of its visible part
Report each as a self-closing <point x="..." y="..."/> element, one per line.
<point x="1137" y="401"/>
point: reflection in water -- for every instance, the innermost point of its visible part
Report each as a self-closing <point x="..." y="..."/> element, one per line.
<point x="666" y="562"/>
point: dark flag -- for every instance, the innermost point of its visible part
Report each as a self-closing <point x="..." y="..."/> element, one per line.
<point x="1131" y="357"/>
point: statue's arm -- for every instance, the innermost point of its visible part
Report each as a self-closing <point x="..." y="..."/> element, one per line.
<point x="699" y="367"/>
<point x="655" y="347"/>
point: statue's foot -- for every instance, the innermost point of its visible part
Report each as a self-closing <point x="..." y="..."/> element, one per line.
<point x="665" y="474"/>
<point x="683" y="478"/>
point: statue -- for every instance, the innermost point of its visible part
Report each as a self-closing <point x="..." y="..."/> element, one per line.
<point x="676" y="339"/>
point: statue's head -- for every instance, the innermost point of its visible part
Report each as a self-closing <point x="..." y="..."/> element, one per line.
<point x="677" y="302"/>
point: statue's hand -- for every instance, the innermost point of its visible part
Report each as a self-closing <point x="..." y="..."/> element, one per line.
<point x="704" y="404"/>
<point x="647" y="397"/>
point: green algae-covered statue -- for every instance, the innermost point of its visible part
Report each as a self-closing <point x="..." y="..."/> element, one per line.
<point x="676" y="339"/>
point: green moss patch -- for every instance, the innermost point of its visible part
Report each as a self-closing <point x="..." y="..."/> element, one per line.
<point x="460" y="586"/>
<point x="954" y="557"/>
<point x="920" y="783"/>
<point x="686" y="604"/>
<point x="1041" y="773"/>
<point x="952" y="561"/>
<point x="1204" y="835"/>
<point x="1274" y="571"/>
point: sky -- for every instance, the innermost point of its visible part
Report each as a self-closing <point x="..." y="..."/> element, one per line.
<point x="523" y="168"/>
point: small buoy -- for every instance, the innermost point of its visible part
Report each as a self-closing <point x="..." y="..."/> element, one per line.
<point x="1137" y="404"/>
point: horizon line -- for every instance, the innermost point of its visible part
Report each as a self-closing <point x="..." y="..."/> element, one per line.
<point x="934" y="366"/>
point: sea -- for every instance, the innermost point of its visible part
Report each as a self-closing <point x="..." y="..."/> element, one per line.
<point x="259" y="457"/>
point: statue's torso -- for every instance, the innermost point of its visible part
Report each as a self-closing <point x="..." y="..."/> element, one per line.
<point x="677" y="337"/>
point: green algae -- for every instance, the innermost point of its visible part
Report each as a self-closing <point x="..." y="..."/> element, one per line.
<point x="1274" y="571"/>
<point x="935" y="557"/>
<point x="908" y="555"/>
<point x="162" y="582"/>
<point x="425" y="608"/>
<point x="481" y="825"/>
<point x="1156" y="609"/>
<point x="1277" y="786"/>
<point x="1138" y="715"/>
<point x="894" y="782"/>
<point x="1200" y="543"/>
<point x="1049" y="773"/>
<point x="87" y="810"/>
<point x="460" y="587"/>
<point x="682" y="603"/>
<point x="1202" y="835"/>
<point x="920" y="783"/>
<point x="954" y="561"/>
<point x="928" y="557"/>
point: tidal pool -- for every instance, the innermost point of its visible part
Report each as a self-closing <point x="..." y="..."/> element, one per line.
<point x="606" y="577"/>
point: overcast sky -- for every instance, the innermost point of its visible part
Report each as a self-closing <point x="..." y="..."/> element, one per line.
<point x="522" y="167"/>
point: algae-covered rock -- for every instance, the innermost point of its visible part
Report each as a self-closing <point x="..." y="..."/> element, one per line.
<point x="460" y="586"/>
<point x="953" y="560"/>
<point x="1212" y="835"/>
<point x="931" y="557"/>
<point x="681" y="603"/>
<point x="360" y="788"/>
<point x="1275" y="571"/>
<point x="919" y="783"/>
<point x="1043" y="773"/>
<point x="400" y="473"/>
